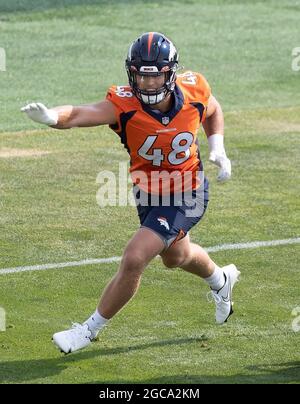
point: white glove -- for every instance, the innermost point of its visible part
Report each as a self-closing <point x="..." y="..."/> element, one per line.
<point x="41" y="114"/>
<point x="217" y="156"/>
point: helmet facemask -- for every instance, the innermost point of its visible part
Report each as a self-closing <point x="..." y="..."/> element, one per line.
<point x="154" y="96"/>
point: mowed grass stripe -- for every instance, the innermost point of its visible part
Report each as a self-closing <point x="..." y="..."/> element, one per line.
<point x="224" y="247"/>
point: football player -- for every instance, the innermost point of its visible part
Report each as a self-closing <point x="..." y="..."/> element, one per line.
<point x="157" y="117"/>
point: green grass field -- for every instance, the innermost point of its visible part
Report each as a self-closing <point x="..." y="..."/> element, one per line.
<point x="66" y="51"/>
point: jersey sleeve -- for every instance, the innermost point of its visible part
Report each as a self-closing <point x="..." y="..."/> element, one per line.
<point x="119" y="109"/>
<point x="195" y="86"/>
<point x="196" y="89"/>
<point x="124" y="103"/>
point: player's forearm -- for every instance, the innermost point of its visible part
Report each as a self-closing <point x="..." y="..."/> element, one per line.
<point x="214" y="129"/>
<point x="66" y="117"/>
<point x="215" y="122"/>
<point x="69" y="116"/>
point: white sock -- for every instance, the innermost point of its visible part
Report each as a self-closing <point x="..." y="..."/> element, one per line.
<point x="95" y="323"/>
<point x="217" y="280"/>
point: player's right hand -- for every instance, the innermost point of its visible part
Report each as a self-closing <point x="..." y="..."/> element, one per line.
<point x="41" y="114"/>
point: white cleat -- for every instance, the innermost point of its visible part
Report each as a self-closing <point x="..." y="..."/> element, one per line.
<point x="223" y="296"/>
<point x="77" y="337"/>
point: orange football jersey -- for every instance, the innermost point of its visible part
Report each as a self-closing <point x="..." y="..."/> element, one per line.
<point x="163" y="147"/>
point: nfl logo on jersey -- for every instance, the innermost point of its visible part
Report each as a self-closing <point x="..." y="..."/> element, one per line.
<point x="165" y="120"/>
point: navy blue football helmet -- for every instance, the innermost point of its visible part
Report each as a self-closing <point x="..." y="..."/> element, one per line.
<point x="152" y="54"/>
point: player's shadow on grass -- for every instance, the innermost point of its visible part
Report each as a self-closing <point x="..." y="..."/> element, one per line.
<point x="278" y="373"/>
<point x="30" y="370"/>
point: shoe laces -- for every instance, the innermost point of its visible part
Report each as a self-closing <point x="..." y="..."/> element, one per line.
<point x="213" y="296"/>
<point x="81" y="330"/>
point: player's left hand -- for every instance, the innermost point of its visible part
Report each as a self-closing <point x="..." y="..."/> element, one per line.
<point x="222" y="161"/>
